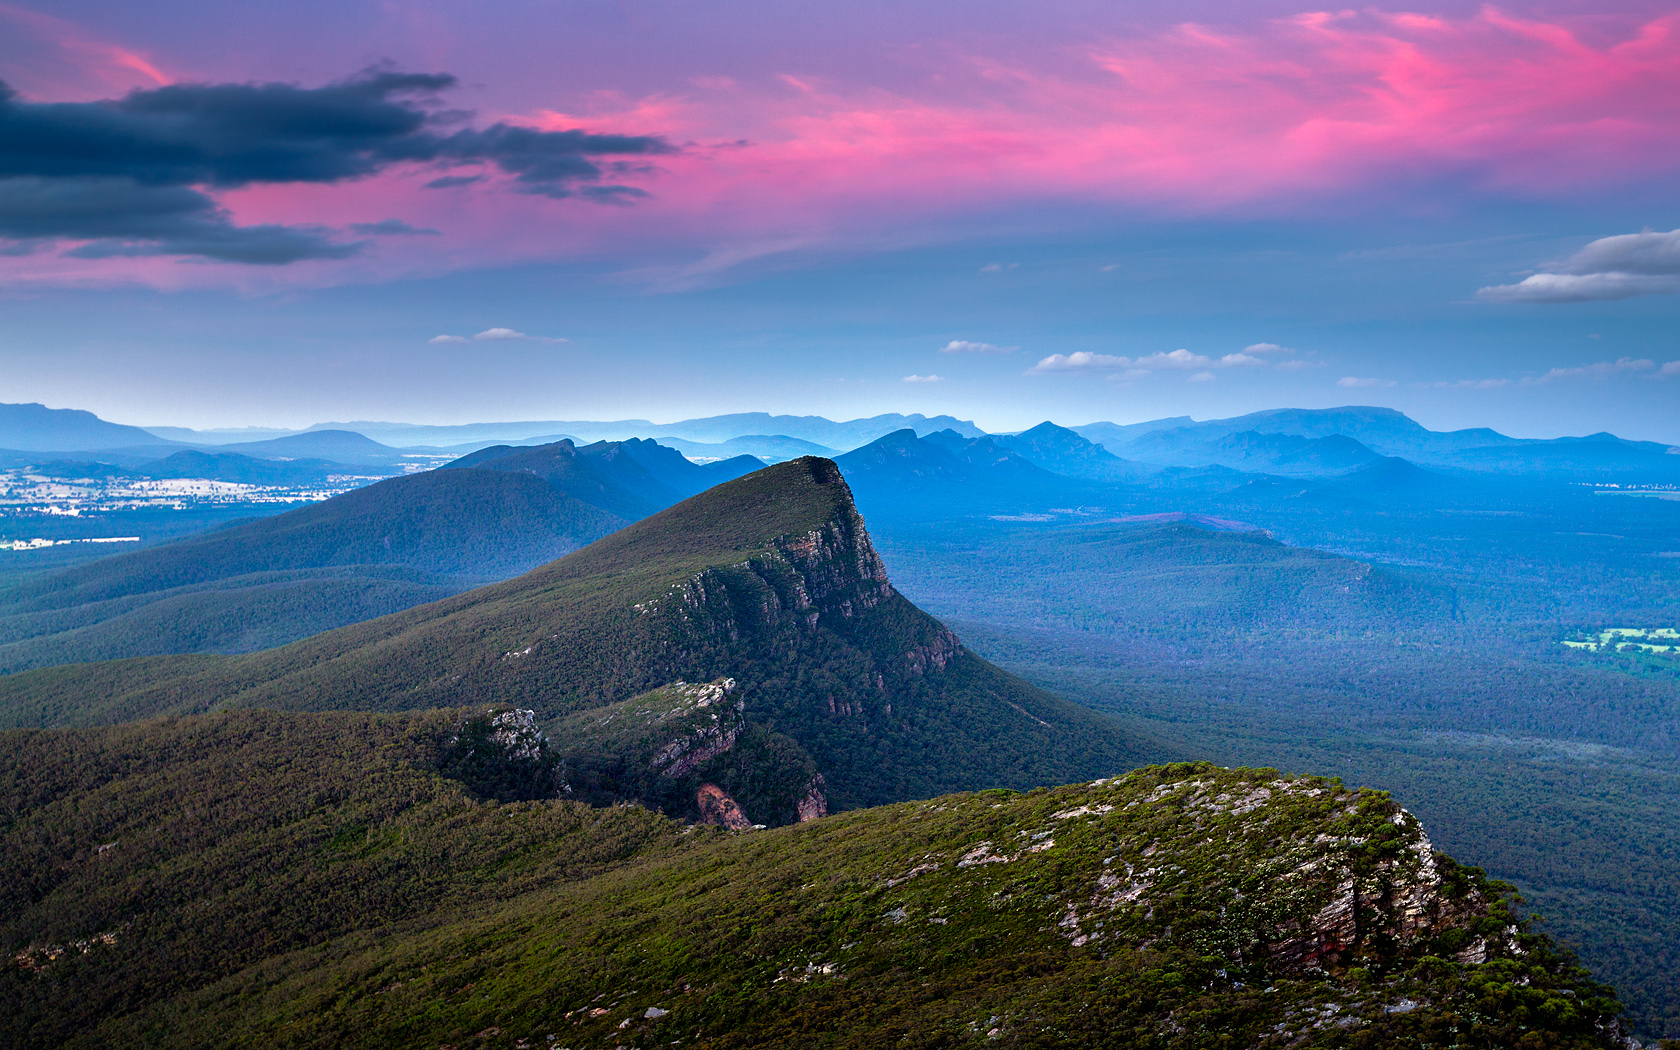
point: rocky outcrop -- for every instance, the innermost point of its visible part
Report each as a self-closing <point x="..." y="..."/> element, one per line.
<point x="702" y="740"/>
<point x="1302" y="875"/>
<point x="716" y="807"/>
<point x="813" y="803"/>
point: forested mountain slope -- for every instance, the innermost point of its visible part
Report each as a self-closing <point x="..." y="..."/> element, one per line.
<point x="770" y="579"/>
<point x="366" y="553"/>
<point x="330" y="886"/>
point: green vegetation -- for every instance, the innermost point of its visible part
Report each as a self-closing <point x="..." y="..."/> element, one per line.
<point x="262" y="583"/>
<point x="257" y="879"/>
<point x="390" y="546"/>
<point x="660" y="748"/>
<point x="769" y="579"/>
<point x="1441" y="680"/>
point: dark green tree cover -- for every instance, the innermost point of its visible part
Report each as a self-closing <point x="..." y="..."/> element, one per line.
<point x="310" y="880"/>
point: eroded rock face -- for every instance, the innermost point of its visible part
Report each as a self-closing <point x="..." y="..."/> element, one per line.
<point x="705" y="740"/>
<point x="718" y="808"/>
<point x="814" y="803"/>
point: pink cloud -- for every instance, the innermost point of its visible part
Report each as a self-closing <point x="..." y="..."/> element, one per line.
<point x="1193" y="119"/>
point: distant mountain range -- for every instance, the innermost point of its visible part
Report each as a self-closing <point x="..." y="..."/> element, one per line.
<point x="821" y="433"/>
<point x="1348" y="438"/>
<point x="1281" y="442"/>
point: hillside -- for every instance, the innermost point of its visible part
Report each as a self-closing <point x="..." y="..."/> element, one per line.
<point x="37" y="428"/>
<point x="770" y="580"/>
<point x="344" y="446"/>
<point x="365" y="553"/>
<point x="332" y="886"/>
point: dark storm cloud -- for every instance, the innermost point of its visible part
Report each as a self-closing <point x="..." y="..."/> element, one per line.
<point x="116" y="216"/>
<point x="129" y="175"/>
<point x="449" y="182"/>
<point x="391" y="228"/>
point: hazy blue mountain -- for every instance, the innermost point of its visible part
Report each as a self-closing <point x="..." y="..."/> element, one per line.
<point x="631" y="479"/>
<point x="231" y="466"/>
<point x="1594" y="457"/>
<point x="1116" y="435"/>
<point x="1382" y="432"/>
<point x="1062" y="451"/>
<point x="1285" y="454"/>
<point x="195" y="463"/>
<point x="222" y="435"/>
<point x="850" y="434"/>
<point x="37" y="428"/>
<point x="343" y="446"/>
<point x="771" y="448"/>
<point x="820" y="434"/>
<point x="945" y="473"/>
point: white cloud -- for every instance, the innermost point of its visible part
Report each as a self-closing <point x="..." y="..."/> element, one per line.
<point x="501" y="335"/>
<point x="1138" y="367"/>
<point x="1175" y="359"/>
<point x="1579" y="288"/>
<point x="1600" y="369"/>
<point x="963" y="346"/>
<point x="998" y="267"/>
<point x="1292" y="365"/>
<point x="924" y="379"/>
<point x="1201" y="377"/>
<point x="1647" y="252"/>
<point x="1354" y="382"/>
<point x="448" y="339"/>
<point x="1267" y="348"/>
<point x="1670" y="368"/>
<point x="1079" y="361"/>
<point x="1618" y="267"/>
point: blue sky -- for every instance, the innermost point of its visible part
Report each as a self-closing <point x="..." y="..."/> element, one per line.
<point x="1463" y="215"/>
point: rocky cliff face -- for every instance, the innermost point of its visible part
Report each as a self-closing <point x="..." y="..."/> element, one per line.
<point x="690" y="750"/>
<point x="825" y="581"/>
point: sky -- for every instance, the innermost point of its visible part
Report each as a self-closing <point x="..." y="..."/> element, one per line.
<point x="226" y="214"/>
